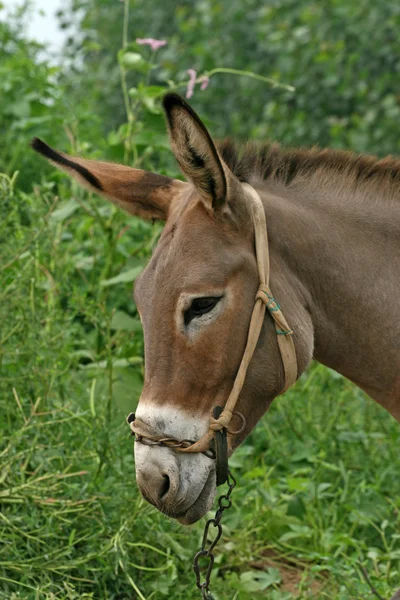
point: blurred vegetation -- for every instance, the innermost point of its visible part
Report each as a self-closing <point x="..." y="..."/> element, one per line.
<point x="342" y="57"/>
<point x="318" y="492"/>
<point x="27" y="89"/>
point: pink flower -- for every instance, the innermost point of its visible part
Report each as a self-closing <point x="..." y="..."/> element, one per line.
<point x="205" y="80"/>
<point x="154" y="44"/>
<point x="192" y="80"/>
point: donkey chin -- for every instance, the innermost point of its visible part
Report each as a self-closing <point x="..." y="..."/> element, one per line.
<point x="181" y="486"/>
<point x="202" y="504"/>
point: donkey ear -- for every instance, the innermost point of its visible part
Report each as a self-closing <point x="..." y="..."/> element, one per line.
<point x="140" y="193"/>
<point x="195" y="151"/>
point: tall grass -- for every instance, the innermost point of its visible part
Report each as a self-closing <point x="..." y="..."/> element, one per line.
<point x="318" y="496"/>
<point x="318" y="486"/>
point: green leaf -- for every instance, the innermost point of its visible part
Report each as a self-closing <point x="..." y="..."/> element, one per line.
<point x="85" y="263"/>
<point x="127" y="387"/>
<point x="83" y="354"/>
<point x="297" y="484"/>
<point x="152" y="138"/>
<point x="124" y="277"/>
<point x="117" y="363"/>
<point x="65" y="211"/>
<point x="257" y="581"/>
<point x="298" y="531"/>
<point x="151" y="91"/>
<point x="133" y="61"/>
<point x="121" y="320"/>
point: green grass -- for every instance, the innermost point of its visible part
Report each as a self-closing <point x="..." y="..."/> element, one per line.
<point x="318" y="480"/>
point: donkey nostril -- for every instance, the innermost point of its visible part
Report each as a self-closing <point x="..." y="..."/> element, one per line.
<point x="165" y="486"/>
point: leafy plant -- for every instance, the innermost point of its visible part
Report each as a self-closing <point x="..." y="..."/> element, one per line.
<point x="318" y="490"/>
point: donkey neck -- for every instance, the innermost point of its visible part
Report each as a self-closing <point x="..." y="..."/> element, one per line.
<point x="339" y="258"/>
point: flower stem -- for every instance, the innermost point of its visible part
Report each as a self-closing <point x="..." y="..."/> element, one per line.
<point x="274" y="83"/>
<point x="128" y="108"/>
<point x="229" y="71"/>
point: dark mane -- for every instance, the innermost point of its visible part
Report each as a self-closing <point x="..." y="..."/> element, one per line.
<point x="271" y="162"/>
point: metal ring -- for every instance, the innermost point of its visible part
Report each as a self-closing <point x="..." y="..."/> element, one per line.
<point x="243" y="425"/>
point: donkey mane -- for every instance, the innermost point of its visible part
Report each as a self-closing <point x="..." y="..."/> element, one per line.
<point x="269" y="161"/>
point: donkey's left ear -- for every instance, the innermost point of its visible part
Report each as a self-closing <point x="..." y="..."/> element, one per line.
<point x="195" y="151"/>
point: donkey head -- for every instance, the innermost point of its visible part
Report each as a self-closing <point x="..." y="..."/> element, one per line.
<point x="195" y="299"/>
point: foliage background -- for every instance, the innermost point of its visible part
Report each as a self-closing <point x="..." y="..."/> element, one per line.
<point x="318" y="494"/>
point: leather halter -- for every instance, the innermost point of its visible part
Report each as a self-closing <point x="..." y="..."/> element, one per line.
<point x="220" y="419"/>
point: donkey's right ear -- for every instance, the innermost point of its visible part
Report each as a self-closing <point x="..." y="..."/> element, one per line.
<point x="140" y="193"/>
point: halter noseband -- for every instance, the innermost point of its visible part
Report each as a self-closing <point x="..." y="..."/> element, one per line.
<point x="221" y="418"/>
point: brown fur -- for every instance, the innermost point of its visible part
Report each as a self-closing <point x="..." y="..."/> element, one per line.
<point x="146" y="195"/>
<point x="333" y="223"/>
<point x="271" y="162"/>
<point x="194" y="150"/>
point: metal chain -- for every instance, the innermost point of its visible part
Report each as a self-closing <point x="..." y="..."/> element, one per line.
<point x="207" y="547"/>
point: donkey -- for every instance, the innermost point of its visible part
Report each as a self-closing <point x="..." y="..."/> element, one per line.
<point x="334" y="245"/>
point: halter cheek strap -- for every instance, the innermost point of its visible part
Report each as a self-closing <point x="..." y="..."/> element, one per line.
<point x="264" y="300"/>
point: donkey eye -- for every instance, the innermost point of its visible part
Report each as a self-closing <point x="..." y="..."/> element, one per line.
<point x="200" y="306"/>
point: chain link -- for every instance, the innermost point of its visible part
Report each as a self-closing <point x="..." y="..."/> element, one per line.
<point x="207" y="547"/>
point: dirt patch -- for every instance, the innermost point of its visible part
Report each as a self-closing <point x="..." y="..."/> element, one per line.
<point x="292" y="573"/>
